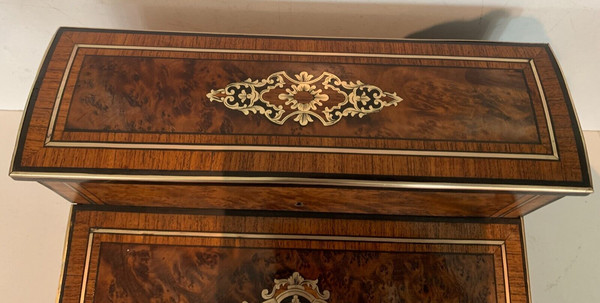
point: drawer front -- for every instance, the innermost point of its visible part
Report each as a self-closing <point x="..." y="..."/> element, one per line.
<point x="190" y="256"/>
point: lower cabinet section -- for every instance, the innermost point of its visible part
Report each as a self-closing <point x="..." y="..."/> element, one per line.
<point x="144" y="255"/>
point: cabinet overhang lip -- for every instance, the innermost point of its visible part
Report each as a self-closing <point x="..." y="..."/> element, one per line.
<point x="407" y="185"/>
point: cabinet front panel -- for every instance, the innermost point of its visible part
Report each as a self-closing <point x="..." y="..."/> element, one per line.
<point x="192" y="256"/>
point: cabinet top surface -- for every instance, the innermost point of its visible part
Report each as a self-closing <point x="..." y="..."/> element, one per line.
<point x="182" y="107"/>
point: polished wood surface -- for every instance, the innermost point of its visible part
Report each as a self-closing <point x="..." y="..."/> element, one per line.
<point x="164" y="273"/>
<point x="168" y="95"/>
<point x="301" y="198"/>
<point x="134" y="107"/>
<point x="142" y="255"/>
<point x="490" y="110"/>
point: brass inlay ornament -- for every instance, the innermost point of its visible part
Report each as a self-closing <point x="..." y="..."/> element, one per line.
<point x="296" y="288"/>
<point x="248" y="96"/>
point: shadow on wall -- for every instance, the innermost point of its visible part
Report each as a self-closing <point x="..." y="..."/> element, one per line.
<point x="482" y="28"/>
<point x="336" y="19"/>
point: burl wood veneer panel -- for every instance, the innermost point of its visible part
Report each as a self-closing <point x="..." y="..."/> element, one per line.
<point x="136" y="273"/>
<point x="438" y="116"/>
<point x="161" y="95"/>
<point x="190" y="256"/>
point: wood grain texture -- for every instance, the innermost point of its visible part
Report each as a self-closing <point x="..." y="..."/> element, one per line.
<point x="152" y="99"/>
<point x="476" y="80"/>
<point x="168" y="95"/>
<point x="301" y="198"/>
<point x="167" y="273"/>
<point x="125" y="267"/>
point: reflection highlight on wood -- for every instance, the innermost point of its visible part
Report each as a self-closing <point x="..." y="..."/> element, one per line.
<point x="145" y="94"/>
<point x="157" y="273"/>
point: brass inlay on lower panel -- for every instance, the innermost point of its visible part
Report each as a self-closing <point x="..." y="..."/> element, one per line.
<point x="295" y="286"/>
<point x="49" y="142"/>
<point x="499" y="243"/>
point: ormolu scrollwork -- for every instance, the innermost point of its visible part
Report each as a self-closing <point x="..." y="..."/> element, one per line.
<point x="295" y="288"/>
<point x="248" y="96"/>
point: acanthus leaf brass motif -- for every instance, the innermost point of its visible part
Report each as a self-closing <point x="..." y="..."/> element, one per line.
<point x="360" y="99"/>
<point x="297" y="288"/>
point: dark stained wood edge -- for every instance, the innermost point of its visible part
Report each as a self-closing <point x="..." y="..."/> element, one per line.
<point x="22" y="136"/>
<point x="290" y="214"/>
<point x="106" y="173"/>
<point x="577" y="132"/>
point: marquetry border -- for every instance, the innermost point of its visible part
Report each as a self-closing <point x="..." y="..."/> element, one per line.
<point x="257" y="236"/>
<point x="17" y="171"/>
<point x="258" y="148"/>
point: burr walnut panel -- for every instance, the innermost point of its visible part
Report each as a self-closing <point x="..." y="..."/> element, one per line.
<point x="165" y="273"/>
<point x="116" y="255"/>
<point x="448" y="104"/>
<point x="168" y="95"/>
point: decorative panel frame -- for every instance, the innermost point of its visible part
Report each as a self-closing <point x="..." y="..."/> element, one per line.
<point x="99" y="236"/>
<point x="557" y="164"/>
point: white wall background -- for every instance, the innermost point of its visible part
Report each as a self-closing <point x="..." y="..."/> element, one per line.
<point x="563" y="238"/>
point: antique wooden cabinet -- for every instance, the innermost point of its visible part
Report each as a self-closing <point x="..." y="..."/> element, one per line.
<point x="210" y="167"/>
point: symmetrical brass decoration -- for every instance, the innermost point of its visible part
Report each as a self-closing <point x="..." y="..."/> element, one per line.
<point x="248" y="96"/>
<point x="264" y="148"/>
<point x="297" y="288"/>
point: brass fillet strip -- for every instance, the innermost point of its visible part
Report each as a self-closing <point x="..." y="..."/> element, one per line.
<point x="545" y="106"/>
<point x="88" y="254"/>
<point x="505" y="269"/>
<point x="59" y="95"/>
<point x="50" y="143"/>
<point x="292" y="237"/>
<point x="93" y="231"/>
<point x="64" y="256"/>
<point x="304" y="181"/>
<point x="301" y="53"/>
<point x="365" y="151"/>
